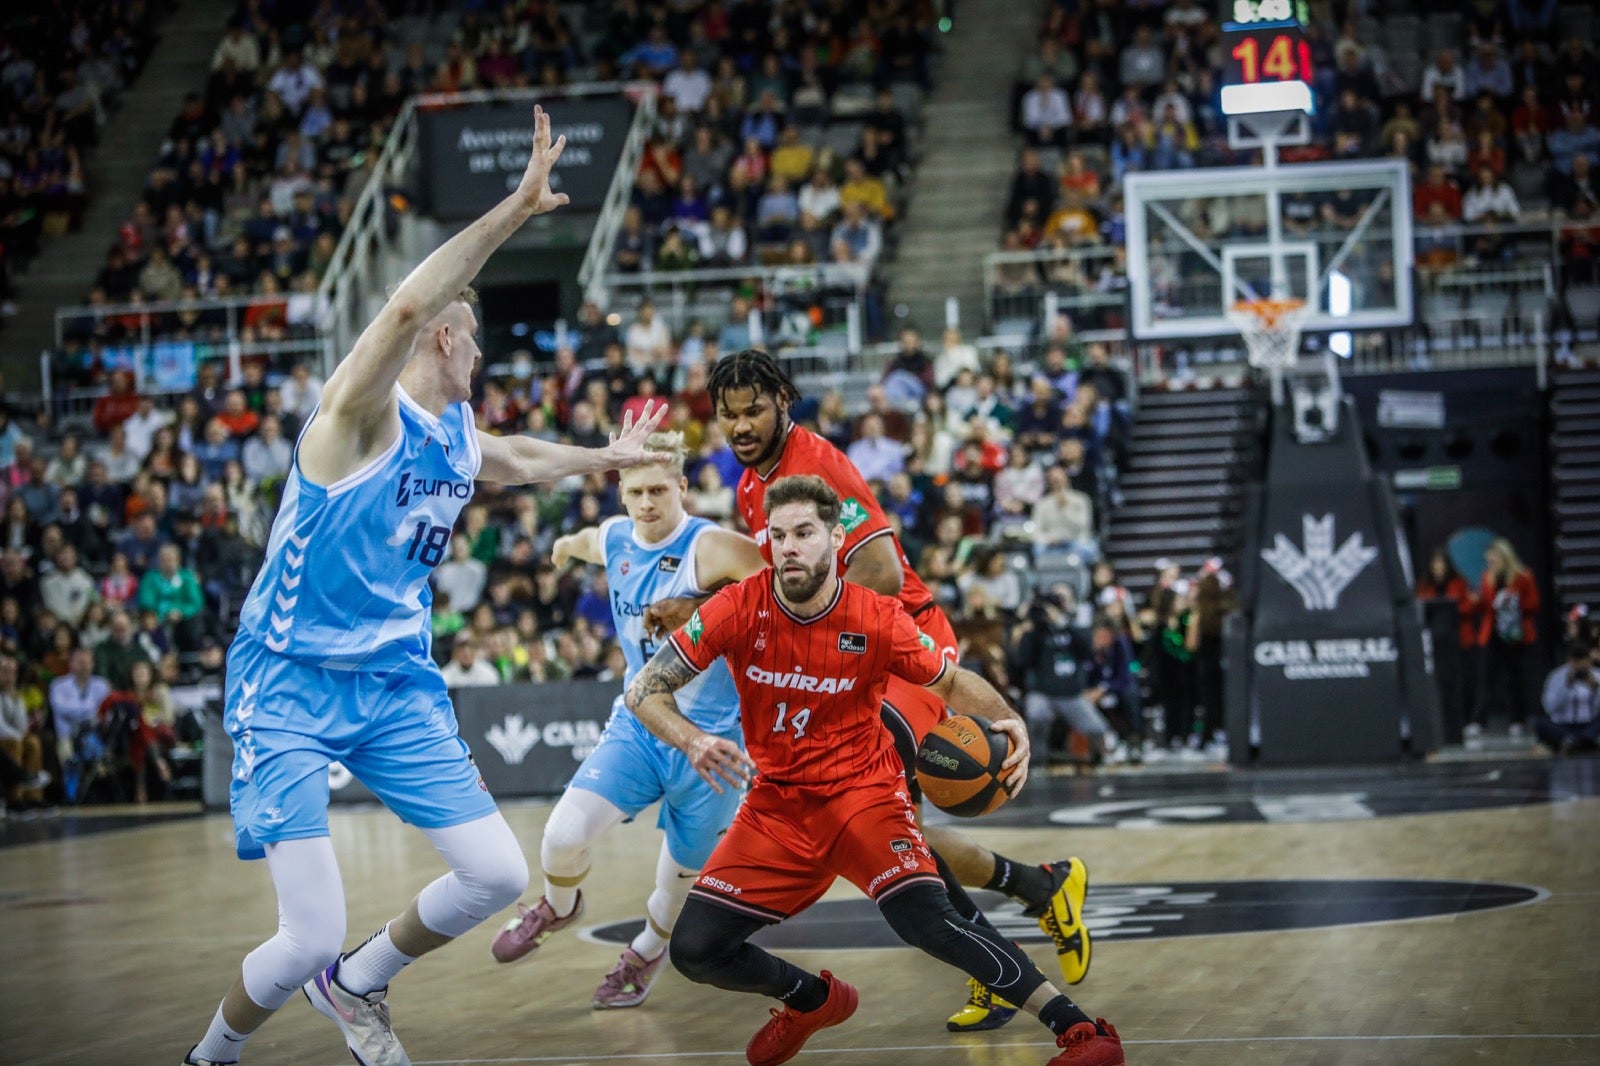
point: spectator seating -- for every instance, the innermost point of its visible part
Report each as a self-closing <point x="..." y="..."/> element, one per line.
<point x="62" y="74"/>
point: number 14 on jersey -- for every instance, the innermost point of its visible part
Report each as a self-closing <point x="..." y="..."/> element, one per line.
<point x="797" y="721"/>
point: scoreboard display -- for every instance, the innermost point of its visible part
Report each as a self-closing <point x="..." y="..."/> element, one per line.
<point x="1266" y="59"/>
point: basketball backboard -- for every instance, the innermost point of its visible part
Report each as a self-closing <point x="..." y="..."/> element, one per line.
<point x="1337" y="235"/>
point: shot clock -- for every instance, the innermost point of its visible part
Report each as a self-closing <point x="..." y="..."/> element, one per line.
<point x="1266" y="59"/>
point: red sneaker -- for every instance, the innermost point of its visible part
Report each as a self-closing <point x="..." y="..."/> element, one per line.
<point x="1089" y="1044"/>
<point x="782" y="1038"/>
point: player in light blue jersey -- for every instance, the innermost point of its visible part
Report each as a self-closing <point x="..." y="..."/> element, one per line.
<point x="656" y="552"/>
<point x="332" y="659"/>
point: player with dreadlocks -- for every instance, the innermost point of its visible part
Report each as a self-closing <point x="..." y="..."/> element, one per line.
<point x="752" y="397"/>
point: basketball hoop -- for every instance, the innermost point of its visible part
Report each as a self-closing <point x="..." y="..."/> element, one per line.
<point x="1271" y="330"/>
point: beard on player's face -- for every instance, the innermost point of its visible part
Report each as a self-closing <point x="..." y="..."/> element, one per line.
<point x="799" y="581"/>
<point x="751" y="447"/>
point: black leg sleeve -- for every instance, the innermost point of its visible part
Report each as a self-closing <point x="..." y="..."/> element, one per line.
<point x="959" y="899"/>
<point x="710" y="946"/>
<point x="922" y="915"/>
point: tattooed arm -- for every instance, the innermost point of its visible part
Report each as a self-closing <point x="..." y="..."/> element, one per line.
<point x="650" y="699"/>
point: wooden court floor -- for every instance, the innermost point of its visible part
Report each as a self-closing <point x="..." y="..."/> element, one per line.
<point x="114" y="948"/>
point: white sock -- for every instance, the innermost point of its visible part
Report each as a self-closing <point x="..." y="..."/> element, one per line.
<point x="372" y="965"/>
<point x="562" y="898"/>
<point x="220" y="1044"/>
<point x="648" y="944"/>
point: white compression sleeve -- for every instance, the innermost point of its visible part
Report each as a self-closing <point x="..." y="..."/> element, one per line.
<point x="579" y="819"/>
<point x="673" y="882"/>
<point x="487" y="874"/>
<point x="311" y="921"/>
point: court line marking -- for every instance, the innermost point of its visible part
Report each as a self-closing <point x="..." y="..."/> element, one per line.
<point x="1343" y="1038"/>
<point x="1540" y="895"/>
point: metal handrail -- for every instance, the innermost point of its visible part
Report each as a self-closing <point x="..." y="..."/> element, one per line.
<point x="603" y="238"/>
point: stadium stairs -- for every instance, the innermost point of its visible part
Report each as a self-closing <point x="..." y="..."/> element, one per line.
<point x="1575" y="484"/>
<point x="967" y="155"/>
<point x="1190" y="457"/>
<point x="117" y="168"/>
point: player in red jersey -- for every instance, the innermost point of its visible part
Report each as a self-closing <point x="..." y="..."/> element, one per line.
<point x="751" y="396"/>
<point x="811" y="656"/>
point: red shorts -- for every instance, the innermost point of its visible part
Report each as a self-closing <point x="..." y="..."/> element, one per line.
<point x="920" y="709"/>
<point x="788" y="843"/>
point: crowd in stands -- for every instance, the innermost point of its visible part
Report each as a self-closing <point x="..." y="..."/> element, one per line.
<point x="742" y="167"/>
<point x="1497" y="122"/>
<point x="62" y="72"/>
<point x="260" y="168"/>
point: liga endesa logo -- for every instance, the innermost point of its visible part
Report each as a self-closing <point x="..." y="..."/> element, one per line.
<point x="1157" y="911"/>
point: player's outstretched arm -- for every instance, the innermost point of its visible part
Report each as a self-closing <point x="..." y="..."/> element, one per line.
<point x="721" y="556"/>
<point x="650" y="698"/>
<point x="524" y="460"/>
<point x="968" y="693"/>
<point x="584" y="546"/>
<point x="359" y="390"/>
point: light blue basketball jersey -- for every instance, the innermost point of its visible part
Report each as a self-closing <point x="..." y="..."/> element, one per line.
<point x="640" y="574"/>
<point x="345" y="581"/>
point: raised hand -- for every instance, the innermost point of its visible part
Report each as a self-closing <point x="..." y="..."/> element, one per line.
<point x="627" y="447"/>
<point x="535" y="184"/>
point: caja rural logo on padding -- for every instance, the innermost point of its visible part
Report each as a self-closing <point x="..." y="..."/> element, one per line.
<point x="1158" y="911"/>
<point x="1319" y="574"/>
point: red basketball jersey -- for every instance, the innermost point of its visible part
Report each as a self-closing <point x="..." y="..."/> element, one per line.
<point x="803" y="452"/>
<point x="810" y="688"/>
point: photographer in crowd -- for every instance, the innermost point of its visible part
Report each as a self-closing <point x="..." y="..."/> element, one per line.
<point x="1571" y="719"/>
<point x="1051" y="656"/>
<point x="1113" y="689"/>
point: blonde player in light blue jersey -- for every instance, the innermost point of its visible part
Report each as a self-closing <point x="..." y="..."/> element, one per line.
<point x="333" y="657"/>
<point x="653" y="553"/>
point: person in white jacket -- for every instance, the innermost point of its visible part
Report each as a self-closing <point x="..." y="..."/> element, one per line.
<point x="1064" y="517"/>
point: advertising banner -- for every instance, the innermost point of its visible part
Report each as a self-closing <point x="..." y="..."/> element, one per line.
<point x="474" y="154"/>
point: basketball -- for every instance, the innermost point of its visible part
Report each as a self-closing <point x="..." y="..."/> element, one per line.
<point x="958" y="766"/>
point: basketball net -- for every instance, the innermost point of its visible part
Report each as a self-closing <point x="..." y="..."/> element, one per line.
<point x="1271" y="330"/>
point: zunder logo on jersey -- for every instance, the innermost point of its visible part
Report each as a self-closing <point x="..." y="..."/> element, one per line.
<point x="851" y="514"/>
<point x="695" y="628"/>
<point x="411" y="488"/>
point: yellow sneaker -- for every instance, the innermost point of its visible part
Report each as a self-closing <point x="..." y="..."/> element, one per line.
<point x="983" y="1010"/>
<point x="1062" y="922"/>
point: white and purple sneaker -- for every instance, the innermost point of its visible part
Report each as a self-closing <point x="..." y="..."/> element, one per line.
<point x="629" y="981"/>
<point x="364" y="1020"/>
<point x="523" y="934"/>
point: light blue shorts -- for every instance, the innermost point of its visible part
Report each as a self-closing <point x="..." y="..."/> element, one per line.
<point x="394" y="730"/>
<point x="631" y="769"/>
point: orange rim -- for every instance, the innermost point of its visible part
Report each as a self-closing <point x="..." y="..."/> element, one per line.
<point x="1268" y="312"/>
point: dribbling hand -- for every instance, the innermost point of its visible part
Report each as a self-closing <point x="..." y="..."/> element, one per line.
<point x="627" y="446"/>
<point x="719" y="761"/>
<point x="1014" y="771"/>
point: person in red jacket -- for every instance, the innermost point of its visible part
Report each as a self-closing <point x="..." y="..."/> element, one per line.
<point x="1443" y="583"/>
<point x="1509" y="605"/>
<point x="116" y="406"/>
